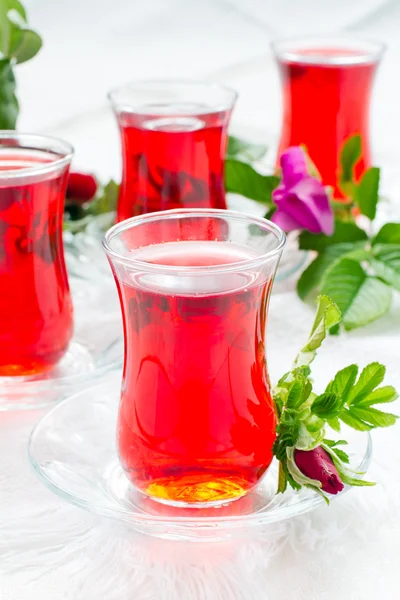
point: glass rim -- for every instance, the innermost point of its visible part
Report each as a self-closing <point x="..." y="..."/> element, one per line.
<point x="36" y="142"/>
<point x="131" y="107"/>
<point x="292" y="49"/>
<point x="241" y="265"/>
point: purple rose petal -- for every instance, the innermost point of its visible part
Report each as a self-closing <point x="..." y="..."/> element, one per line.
<point x="301" y="200"/>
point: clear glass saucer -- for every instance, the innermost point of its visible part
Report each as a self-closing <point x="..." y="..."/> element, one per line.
<point x="96" y="347"/>
<point x="73" y="451"/>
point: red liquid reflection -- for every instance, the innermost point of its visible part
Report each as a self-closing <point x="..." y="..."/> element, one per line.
<point x="196" y="420"/>
<point x="171" y="162"/>
<point x="322" y="106"/>
<point x="35" y="304"/>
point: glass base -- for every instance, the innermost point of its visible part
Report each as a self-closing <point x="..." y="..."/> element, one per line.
<point x="196" y="491"/>
<point x="73" y="450"/>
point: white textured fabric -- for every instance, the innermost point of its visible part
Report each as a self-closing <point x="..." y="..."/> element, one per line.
<point x="350" y="551"/>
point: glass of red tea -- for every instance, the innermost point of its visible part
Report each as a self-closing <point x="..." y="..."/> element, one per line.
<point x="327" y="85"/>
<point x="36" y="319"/>
<point x="174" y="137"/>
<point x="196" y="418"/>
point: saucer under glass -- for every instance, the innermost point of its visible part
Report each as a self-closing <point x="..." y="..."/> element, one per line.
<point x="73" y="451"/>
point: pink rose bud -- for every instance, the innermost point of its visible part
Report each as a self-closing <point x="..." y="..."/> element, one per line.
<point x="81" y="187"/>
<point x="317" y="464"/>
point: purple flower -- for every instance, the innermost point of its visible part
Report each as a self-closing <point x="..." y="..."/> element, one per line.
<point x="317" y="464"/>
<point x="301" y="200"/>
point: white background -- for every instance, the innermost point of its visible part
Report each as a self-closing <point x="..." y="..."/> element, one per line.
<point x="347" y="552"/>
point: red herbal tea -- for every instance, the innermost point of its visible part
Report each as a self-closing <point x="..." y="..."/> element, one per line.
<point x="174" y="138"/>
<point x="326" y="99"/>
<point x="196" y="419"/>
<point x="35" y="304"/>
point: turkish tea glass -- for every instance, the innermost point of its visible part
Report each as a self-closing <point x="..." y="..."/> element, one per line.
<point x="196" y="417"/>
<point x="174" y="137"/>
<point x="36" y="320"/>
<point x="327" y="84"/>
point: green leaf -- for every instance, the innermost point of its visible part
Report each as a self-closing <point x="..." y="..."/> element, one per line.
<point x="343" y="382"/>
<point x="334" y="424"/>
<point x="342" y="455"/>
<point x="327" y="316"/>
<point x="372" y="302"/>
<point x="244" y="151"/>
<point x="8" y="100"/>
<point x="362" y="299"/>
<point x="334" y="443"/>
<point x="349" y="155"/>
<point x="344" y="233"/>
<point x="388" y="234"/>
<point x="313" y="274"/>
<point x="382" y="395"/>
<point x="241" y="178"/>
<point x="386" y="263"/>
<point x="282" y="479"/>
<point x="327" y="405"/>
<point x="354" y="422"/>
<point x="343" y="282"/>
<point x="366" y="192"/>
<point x="24" y="44"/>
<point x="17" y="6"/>
<point x="374" y="417"/>
<point x="371" y="376"/>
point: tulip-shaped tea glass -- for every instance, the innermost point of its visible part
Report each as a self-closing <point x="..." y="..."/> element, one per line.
<point x="196" y="417"/>
<point x="36" y="318"/>
<point x="327" y="84"/>
<point x="174" y="137"/>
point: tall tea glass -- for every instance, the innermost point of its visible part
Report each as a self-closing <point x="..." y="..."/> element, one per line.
<point x="327" y="84"/>
<point x="36" y="318"/>
<point x="196" y="418"/>
<point x="173" y="136"/>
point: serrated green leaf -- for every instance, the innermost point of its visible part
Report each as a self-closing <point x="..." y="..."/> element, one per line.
<point x="295" y="395"/>
<point x="362" y="299"/>
<point x="282" y="479"/>
<point x="342" y="455"/>
<point x="388" y="234"/>
<point x="244" y="151"/>
<point x="334" y="443"/>
<point x="343" y="282"/>
<point x="313" y="274"/>
<point x="327" y="316"/>
<point x="372" y="416"/>
<point x="366" y="192"/>
<point x="372" y="302"/>
<point x="382" y="395"/>
<point x="344" y="233"/>
<point x="370" y="377"/>
<point x="343" y="381"/>
<point x="327" y="405"/>
<point x="386" y="263"/>
<point x="241" y="178"/>
<point x="349" y="155"/>
<point x="354" y="422"/>
<point x="334" y="424"/>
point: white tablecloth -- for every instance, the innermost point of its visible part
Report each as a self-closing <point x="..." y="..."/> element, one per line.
<point x="348" y="551"/>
